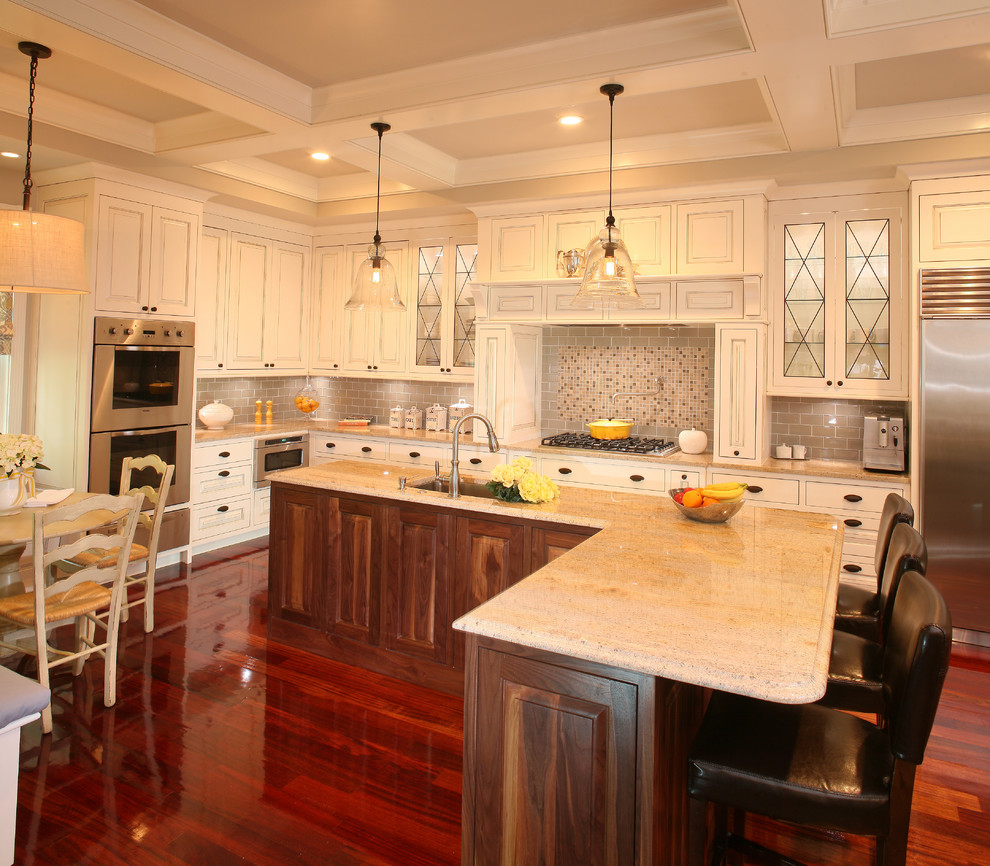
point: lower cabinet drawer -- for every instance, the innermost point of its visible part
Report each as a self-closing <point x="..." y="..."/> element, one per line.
<point x="847" y="497"/>
<point x="607" y="474"/>
<point x="775" y="491"/>
<point x="220" y="453"/>
<point x="858" y="566"/>
<point x="480" y="461"/>
<point x="338" y="447"/>
<point x="677" y="478"/>
<point x="222" y="518"/>
<point x="417" y="454"/>
<point x="222" y="482"/>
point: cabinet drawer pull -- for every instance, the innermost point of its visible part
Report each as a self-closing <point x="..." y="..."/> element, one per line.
<point x="223" y="508"/>
<point x="366" y="449"/>
<point x="330" y="445"/>
<point x="754" y="488"/>
<point x="852" y="568"/>
<point x="224" y="454"/>
<point x="475" y="461"/>
<point x="223" y="473"/>
<point x="414" y="454"/>
<point x="563" y="470"/>
<point x="635" y="477"/>
<point x="851" y="521"/>
<point x="853" y="497"/>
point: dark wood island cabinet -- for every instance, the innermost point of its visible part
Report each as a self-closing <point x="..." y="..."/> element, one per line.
<point x="377" y="582"/>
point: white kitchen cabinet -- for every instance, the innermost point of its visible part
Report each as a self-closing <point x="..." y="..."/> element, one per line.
<point x="954" y="226"/>
<point x="741" y="424"/>
<point x="516" y="248"/>
<point x="708" y="300"/>
<point x="222" y="489"/>
<point x="507" y="389"/>
<point x="710" y="237"/>
<point x="261" y="508"/>
<point x="266" y="309"/>
<point x="838" y="300"/>
<point x="146" y="259"/>
<point x="646" y="233"/>
<point x="443" y="330"/>
<point x="324" y="447"/>
<point x="478" y="461"/>
<point x="423" y="454"/>
<point x="613" y="474"/>
<point x="572" y="230"/>
<point x="211" y="295"/>
<point x="329" y="289"/>
<point x="375" y="341"/>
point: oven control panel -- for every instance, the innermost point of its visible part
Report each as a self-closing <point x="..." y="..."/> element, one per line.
<point x="143" y="332"/>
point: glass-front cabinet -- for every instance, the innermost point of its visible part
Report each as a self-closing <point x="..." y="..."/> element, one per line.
<point x="443" y="339"/>
<point x="838" y="299"/>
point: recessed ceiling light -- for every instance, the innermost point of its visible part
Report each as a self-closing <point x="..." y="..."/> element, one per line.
<point x="320" y="155"/>
<point x="570" y="120"/>
<point x="10" y="154"/>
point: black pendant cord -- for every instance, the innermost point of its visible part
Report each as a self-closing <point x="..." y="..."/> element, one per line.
<point x="611" y="112"/>
<point x="381" y="129"/>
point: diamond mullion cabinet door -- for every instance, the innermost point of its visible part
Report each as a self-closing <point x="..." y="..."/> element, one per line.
<point x="329" y="297"/>
<point x="250" y="266"/>
<point x="740" y="388"/>
<point x="286" y="326"/>
<point x="122" y="256"/>
<point x="172" y="283"/>
<point x="211" y="306"/>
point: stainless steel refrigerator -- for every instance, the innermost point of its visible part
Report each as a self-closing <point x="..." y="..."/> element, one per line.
<point x="955" y="442"/>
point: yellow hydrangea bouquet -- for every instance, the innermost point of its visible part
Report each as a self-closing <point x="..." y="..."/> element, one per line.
<point x="517" y="482"/>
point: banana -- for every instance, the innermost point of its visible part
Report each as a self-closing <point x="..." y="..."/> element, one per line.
<point x="725" y="485"/>
<point x="724" y="493"/>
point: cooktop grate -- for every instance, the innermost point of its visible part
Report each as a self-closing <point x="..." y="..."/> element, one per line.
<point x="629" y="445"/>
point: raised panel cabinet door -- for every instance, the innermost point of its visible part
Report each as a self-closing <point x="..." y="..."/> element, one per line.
<point x="174" y="241"/>
<point x="359" y="328"/>
<point x="708" y="300"/>
<point x="553" y="769"/>
<point x="954" y="226"/>
<point x="416" y="582"/>
<point x="570" y="231"/>
<point x="737" y="365"/>
<point x="354" y="570"/>
<point x="517" y="248"/>
<point x="488" y="557"/>
<point x="328" y="309"/>
<point x="393" y="327"/>
<point x="646" y="234"/>
<point x="286" y="326"/>
<point x="710" y="237"/>
<point x="123" y="244"/>
<point x="211" y="309"/>
<point x="547" y="544"/>
<point x="297" y="579"/>
<point x="250" y="268"/>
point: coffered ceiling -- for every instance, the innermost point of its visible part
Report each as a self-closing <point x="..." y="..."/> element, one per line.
<point x="232" y="96"/>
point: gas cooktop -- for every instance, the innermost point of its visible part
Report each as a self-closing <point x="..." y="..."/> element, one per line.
<point x="629" y="445"/>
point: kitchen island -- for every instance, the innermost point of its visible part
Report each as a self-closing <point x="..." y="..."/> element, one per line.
<point x="586" y="680"/>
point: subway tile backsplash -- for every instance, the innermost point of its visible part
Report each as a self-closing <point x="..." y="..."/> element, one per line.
<point x="338" y="396"/>
<point x="584" y="366"/>
<point x="831" y="429"/>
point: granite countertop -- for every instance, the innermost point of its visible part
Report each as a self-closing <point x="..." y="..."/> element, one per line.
<point x="745" y="606"/>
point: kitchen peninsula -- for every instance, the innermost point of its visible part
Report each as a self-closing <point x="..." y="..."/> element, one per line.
<point x="585" y="680"/>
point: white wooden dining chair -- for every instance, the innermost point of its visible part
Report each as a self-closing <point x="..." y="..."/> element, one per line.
<point x="150" y="521"/>
<point x="82" y="597"/>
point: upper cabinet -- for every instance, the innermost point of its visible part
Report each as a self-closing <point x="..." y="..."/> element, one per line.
<point x="443" y="336"/>
<point x="953" y="218"/>
<point x="329" y="297"/>
<point x="146" y="258"/>
<point x="838" y="300"/>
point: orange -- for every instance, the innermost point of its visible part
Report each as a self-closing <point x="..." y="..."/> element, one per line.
<point x="709" y="501"/>
<point x="693" y="498"/>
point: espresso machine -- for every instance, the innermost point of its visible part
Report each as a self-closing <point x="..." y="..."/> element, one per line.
<point x="884" y="443"/>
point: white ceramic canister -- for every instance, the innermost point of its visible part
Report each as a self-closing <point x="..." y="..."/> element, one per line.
<point x="414" y="419"/>
<point x="216" y="415"/>
<point x="458" y="411"/>
<point x="397" y="417"/>
<point x="692" y="441"/>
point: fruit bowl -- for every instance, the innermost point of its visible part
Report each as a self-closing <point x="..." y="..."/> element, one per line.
<point x="718" y="513"/>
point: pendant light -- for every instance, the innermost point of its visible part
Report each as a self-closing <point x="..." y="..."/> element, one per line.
<point x="40" y="252"/>
<point x="375" y="286"/>
<point x="608" y="269"/>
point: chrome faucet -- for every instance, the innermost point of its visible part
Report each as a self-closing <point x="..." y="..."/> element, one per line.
<point x="455" y="475"/>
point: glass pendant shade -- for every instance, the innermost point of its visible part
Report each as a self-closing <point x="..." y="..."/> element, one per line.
<point x="608" y="272"/>
<point x="42" y="253"/>
<point x="375" y="286"/>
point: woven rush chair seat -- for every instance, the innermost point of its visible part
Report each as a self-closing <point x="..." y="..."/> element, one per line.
<point x="108" y="558"/>
<point x="82" y="598"/>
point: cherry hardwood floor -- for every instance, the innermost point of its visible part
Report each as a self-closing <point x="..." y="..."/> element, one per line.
<point x="224" y="748"/>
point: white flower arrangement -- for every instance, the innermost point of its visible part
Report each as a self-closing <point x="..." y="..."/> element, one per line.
<point x="517" y="482"/>
<point x="20" y="451"/>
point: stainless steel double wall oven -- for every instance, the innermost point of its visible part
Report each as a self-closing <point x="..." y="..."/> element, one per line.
<point x="143" y="381"/>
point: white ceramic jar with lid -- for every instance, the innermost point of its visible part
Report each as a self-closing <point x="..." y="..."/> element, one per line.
<point x="216" y="415"/>
<point x="692" y="441"/>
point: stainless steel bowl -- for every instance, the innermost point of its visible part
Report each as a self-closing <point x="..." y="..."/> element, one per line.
<point x="719" y="513"/>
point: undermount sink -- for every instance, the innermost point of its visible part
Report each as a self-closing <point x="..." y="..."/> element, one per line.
<point x="466" y="488"/>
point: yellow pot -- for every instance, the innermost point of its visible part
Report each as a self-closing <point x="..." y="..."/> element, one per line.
<point x="613" y="428"/>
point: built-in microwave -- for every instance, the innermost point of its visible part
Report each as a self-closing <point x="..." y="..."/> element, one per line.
<point x="272" y="454"/>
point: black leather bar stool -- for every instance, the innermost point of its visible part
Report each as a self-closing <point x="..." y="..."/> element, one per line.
<point x="856" y="663"/>
<point x="816" y="766"/>
<point x="856" y="608"/>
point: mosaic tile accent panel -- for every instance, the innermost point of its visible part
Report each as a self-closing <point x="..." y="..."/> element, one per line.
<point x="338" y="396"/>
<point x="831" y="429"/>
<point x="585" y="366"/>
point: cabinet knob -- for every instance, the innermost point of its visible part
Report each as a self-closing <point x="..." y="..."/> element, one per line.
<point x="475" y="460"/>
<point x="331" y="445"/>
<point x="828" y="381"/>
<point x="223" y="508"/>
<point x="154" y="309"/>
<point x="366" y="449"/>
<point x="144" y="309"/>
<point x="684" y="476"/>
<point x="839" y="383"/>
<point x="753" y="488"/>
<point x="335" y="366"/>
<point x="735" y="453"/>
<point x="369" y="366"/>
<point x="852" y="568"/>
<point x="563" y="470"/>
<point x="851" y="521"/>
<point x="224" y="454"/>
<point x="413" y="453"/>
<point x="223" y="473"/>
<point x="220" y="365"/>
<point x="375" y="367"/>
<point x="635" y="477"/>
<point x="853" y="497"/>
